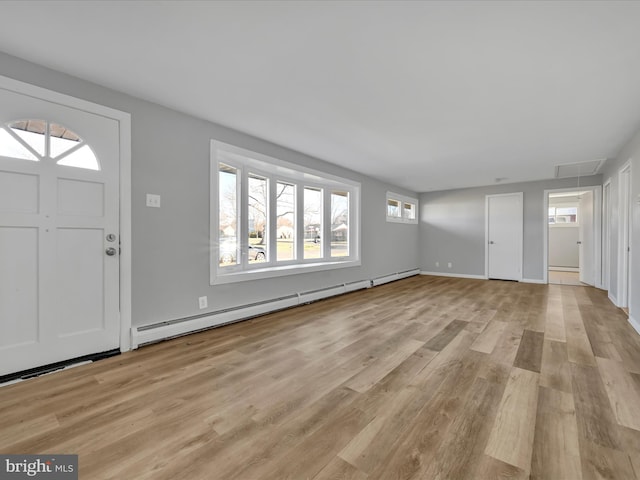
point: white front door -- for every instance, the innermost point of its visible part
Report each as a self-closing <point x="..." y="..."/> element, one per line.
<point x="504" y="236"/>
<point x="59" y="238"/>
<point x="586" y="239"/>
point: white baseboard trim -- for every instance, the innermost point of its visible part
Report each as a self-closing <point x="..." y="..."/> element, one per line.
<point x="634" y="324"/>
<point x="533" y="280"/>
<point x="564" y="269"/>
<point x="613" y="299"/>
<point x="455" y="275"/>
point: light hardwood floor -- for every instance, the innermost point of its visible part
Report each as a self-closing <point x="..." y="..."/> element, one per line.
<point x="425" y="378"/>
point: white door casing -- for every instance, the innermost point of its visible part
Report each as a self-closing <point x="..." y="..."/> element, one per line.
<point x="504" y="236"/>
<point x="586" y="238"/>
<point x="606" y="236"/>
<point x="624" y="235"/>
<point x="59" y="291"/>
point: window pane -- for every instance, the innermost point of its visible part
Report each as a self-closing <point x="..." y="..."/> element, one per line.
<point x="566" y="211"/>
<point x="409" y="211"/>
<point x="61" y="140"/>
<point x="81" y="158"/>
<point x="339" y="224"/>
<point x="312" y="222"/>
<point x="32" y="132"/>
<point x="228" y="215"/>
<point x="257" y="218"/>
<point x="285" y="221"/>
<point x="12" y="148"/>
<point x="393" y="208"/>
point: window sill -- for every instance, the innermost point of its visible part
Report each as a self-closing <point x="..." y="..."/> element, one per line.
<point x="280" y="271"/>
<point x="402" y="220"/>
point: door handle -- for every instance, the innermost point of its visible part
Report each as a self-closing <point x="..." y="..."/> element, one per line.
<point x="579" y="243"/>
<point x="491" y="242"/>
<point x="110" y="251"/>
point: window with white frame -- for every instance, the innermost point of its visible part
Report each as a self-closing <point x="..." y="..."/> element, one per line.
<point x="272" y="218"/>
<point x="563" y="215"/>
<point x="401" y="209"/>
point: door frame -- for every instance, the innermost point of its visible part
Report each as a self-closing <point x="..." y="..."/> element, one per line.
<point x="606" y="235"/>
<point x="520" y="195"/>
<point x="623" y="294"/>
<point x="124" y="126"/>
<point x="597" y="230"/>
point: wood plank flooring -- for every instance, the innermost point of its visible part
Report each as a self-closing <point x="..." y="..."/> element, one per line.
<point x="424" y="378"/>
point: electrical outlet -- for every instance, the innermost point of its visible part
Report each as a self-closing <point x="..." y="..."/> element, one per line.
<point x="437" y="264"/>
<point x="153" y="200"/>
<point x="449" y="264"/>
<point x="202" y="302"/>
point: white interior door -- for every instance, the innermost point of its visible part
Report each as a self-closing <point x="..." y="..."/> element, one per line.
<point x="586" y="238"/>
<point x="59" y="216"/>
<point x="504" y="236"/>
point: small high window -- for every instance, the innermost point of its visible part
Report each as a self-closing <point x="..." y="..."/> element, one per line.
<point x="401" y="209"/>
<point x="563" y="215"/>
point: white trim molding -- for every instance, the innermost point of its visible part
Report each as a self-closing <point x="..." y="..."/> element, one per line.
<point x="534" y="280"/>
<point x="625" y="230"/>
<point x="634" y="323"/>
<point x="613" y="299"/>
<point x="454" y="275"/>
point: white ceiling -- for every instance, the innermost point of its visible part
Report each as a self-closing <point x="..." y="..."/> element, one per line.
<point x="425" y="95"/>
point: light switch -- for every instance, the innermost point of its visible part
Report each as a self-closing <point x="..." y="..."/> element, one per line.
<point x="153" y="200"/>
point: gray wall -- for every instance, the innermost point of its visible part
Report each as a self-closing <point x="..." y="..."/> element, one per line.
<point x="452" y="226"/>
<point x="630" y="152"/>
<point x="170" y="251"/>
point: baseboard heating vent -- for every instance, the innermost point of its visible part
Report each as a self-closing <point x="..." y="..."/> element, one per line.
<point x="409" y="273"/>
<point x="359" y="285"/>
<point x="314" y="295"/>
<point x="394" y="276"/>
<point x="385" y="279"/>
<point x="156" y="332"/>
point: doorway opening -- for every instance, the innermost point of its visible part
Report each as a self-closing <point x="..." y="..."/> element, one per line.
<point x="572" y="244"/>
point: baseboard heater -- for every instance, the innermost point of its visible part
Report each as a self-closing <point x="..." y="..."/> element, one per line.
<point x="394" y="276"/>
<point x="156" y="332"/>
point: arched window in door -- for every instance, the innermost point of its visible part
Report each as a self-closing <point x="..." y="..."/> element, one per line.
<point x="39" y="140"/>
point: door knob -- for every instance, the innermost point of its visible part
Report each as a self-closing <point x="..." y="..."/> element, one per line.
<point x="110" y="251"/>
<point x="490" y="242"/>
<point x="579" y="243"/>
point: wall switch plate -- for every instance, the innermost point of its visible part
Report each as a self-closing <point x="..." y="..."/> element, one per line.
<point x="153" y="200"/>
<point x="449" y="264"/>
<point x="202" y="302"/>
<point x="437" y="264"/>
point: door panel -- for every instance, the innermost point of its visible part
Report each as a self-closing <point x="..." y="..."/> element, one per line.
<point x="504" y="234"/>
<point x="59" y="295"/>
<point x="18" y="286"/>
<point x="80" y="280"/>
<point x="18" y="193"/>
<point x="80" y="198"/>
